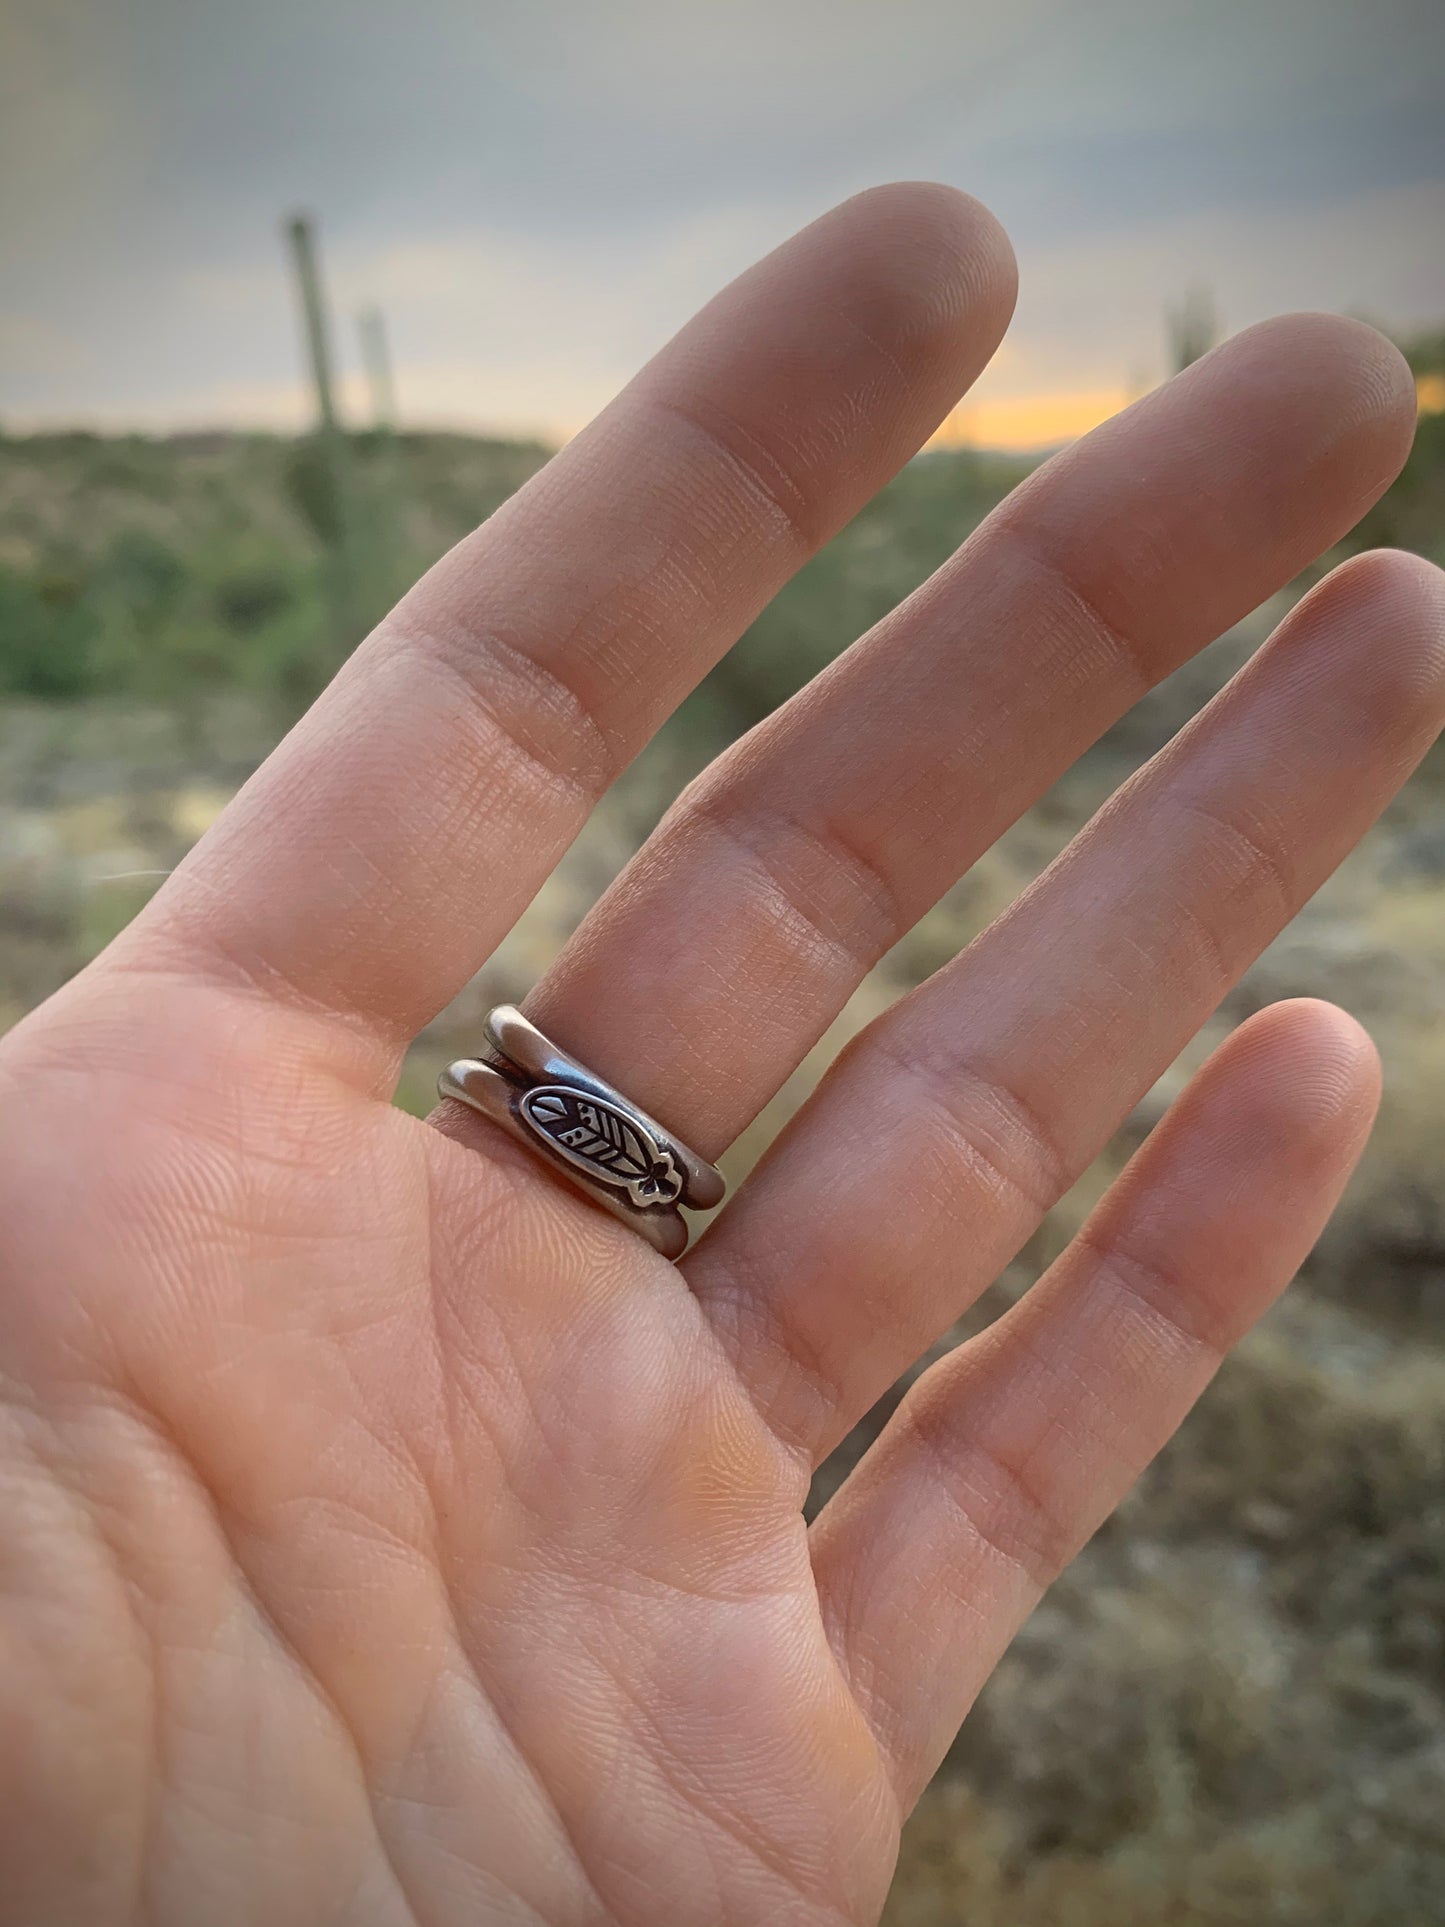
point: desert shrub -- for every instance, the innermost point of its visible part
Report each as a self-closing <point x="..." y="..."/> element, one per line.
<point x="47" y="633"/>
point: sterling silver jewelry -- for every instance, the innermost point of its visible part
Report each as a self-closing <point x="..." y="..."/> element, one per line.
<point x="619" y="1156"/>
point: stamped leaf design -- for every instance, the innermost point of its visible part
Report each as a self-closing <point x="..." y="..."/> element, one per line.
<point x="603" y="1141"/>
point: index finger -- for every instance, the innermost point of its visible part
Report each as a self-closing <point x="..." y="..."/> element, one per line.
<point x="377" y="858"/>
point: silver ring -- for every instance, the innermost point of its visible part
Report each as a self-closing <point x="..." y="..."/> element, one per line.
<point x="616" y="1154"/>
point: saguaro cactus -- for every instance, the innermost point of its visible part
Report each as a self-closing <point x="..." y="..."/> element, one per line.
<point x="376" y="360"/>
<point x="1193" y="327"/>
<point x="324" y="479"/>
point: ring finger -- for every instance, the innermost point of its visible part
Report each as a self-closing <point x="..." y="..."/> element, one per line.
<point x="958" y="1118"/>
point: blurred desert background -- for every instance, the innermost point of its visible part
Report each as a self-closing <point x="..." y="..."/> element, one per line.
<point x="1232" y="1708"/>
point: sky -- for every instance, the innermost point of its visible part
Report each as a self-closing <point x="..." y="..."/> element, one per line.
<point x="537" y="192"/>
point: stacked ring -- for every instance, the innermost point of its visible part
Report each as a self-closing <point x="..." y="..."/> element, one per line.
<point x="610" y="1150"/>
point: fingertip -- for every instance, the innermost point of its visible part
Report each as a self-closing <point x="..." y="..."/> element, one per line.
<point x="841" y="352"/>
<point x="936" y="262"/>
<point x="1335" y="348"/>
<point x="1407" y="588"/>
<point x="1300" y="1030"/>
<point x="1361" y="370"/>
<point x="1385" y="607"/>
<point x="1335" y="390"/>
<point x="1300" y="1073"/>
<point x="958" y="229"/>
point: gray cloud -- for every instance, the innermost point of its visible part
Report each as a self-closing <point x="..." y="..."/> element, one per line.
<point x="537" y="188"/>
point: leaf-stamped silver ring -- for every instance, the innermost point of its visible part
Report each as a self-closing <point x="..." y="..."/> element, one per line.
<point x="623" y="1159"/>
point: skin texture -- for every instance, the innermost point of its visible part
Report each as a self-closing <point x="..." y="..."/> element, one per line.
<point x="391" y="1537"/>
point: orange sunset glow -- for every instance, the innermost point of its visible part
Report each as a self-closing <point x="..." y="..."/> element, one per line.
<point x="1021" y="423"/>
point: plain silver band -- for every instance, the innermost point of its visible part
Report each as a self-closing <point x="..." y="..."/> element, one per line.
<point x="525" y="1072"/>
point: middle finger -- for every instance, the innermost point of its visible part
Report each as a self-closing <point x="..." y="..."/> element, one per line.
<point x="784" y="873"/>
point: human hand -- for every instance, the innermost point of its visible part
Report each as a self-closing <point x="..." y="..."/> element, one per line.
<point x="392" y="1537"/>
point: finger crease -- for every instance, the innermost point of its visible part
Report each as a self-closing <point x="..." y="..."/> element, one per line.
<point x="550" y="707"/>
<point x="1035" y="1165"/>
<point x="1126" y="651"/>
<point x="1156" y="1292"/>
<point x="1261" y="861"/>
<point x="748" y="1317"/>
<point x="984" y="1489"/>
<point x="761" y="473"/>
<point x="874" y="918"/>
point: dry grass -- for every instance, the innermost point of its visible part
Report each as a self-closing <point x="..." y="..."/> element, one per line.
<point x="961" y="1867"/>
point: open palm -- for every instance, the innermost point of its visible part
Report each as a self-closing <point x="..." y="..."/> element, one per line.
<point x="388" y="1535"/>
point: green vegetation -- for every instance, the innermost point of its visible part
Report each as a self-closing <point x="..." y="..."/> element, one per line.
<point x="167" y="570"/>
